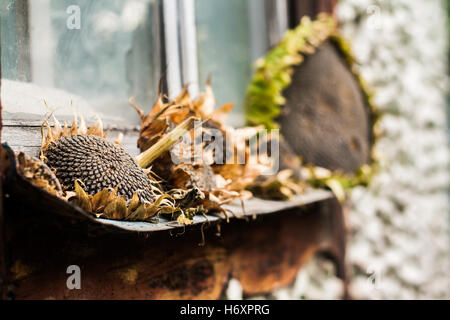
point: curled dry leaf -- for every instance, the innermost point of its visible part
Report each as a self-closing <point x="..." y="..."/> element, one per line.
<point x="278" y="187"/>
<point x="38" y="173"/>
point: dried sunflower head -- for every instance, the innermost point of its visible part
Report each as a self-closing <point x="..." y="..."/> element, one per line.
<point x="84" y="154"/>
<point x="101" y="177"/>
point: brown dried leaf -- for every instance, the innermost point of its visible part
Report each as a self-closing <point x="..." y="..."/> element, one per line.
<point x="151" y="133"/>
<point x="119" y="139"/>
<point x="220" y="115"/>
<point x="184" y="220"/>
<point x="138" y="214"/>
<point x="83" y="200"/>
<point x="57" y="129"/>
<point x="206" y="100"/>
<point x="183" y="97"/>
<point x="122" y="207"/>
<point x="135" y="107"/>
<point x="153" y="208"/>
<point x="100" y="200"/>
<point x="74" y="127"/>
<point x="96" y="129"/>
<point x="82" y="129"/>
<point x="117" y="209"/>
<point x="134" y="202"/>
<point x="179" y="177"/>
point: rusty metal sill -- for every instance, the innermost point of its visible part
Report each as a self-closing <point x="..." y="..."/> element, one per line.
<point x="252" y="207"/>
<point x="19" y="186"/>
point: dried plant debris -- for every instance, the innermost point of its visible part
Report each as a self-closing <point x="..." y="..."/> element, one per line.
<point x="226" y="166"/>
<point x="337" y="181"/>
<point x="278" y="187"/>
<point x="79" y="165"/>
<point x="38" y="173"/>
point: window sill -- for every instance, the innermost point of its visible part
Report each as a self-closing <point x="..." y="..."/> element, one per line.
<point x="23" y="112"/>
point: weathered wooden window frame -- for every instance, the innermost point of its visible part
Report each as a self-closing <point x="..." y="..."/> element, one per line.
<point x="181" y="38"/>
<point x="179" y="57"/>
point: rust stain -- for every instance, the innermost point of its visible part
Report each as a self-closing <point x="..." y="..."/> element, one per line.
<point x="200" y="277"/>
<point x="20" y="270"/>
<point x="263" y="255"/>
<point x="129" y="275"/>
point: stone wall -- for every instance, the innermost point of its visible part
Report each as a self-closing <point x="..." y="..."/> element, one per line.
<point x="399" y="242"/>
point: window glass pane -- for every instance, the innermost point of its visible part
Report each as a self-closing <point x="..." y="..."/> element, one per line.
<point x="102" y="50"/>
<point x="14" y="40"/>
<point x="231" y="35"/>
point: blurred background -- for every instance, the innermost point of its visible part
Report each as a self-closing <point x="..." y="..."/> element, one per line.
<point x="99" y="53"/>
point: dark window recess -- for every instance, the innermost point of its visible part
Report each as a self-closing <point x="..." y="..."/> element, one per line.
<point x="299" y="8"/>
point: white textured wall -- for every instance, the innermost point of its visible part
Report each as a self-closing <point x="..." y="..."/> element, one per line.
<point x="399" y="245"/>
<point x="400" y="225"/>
